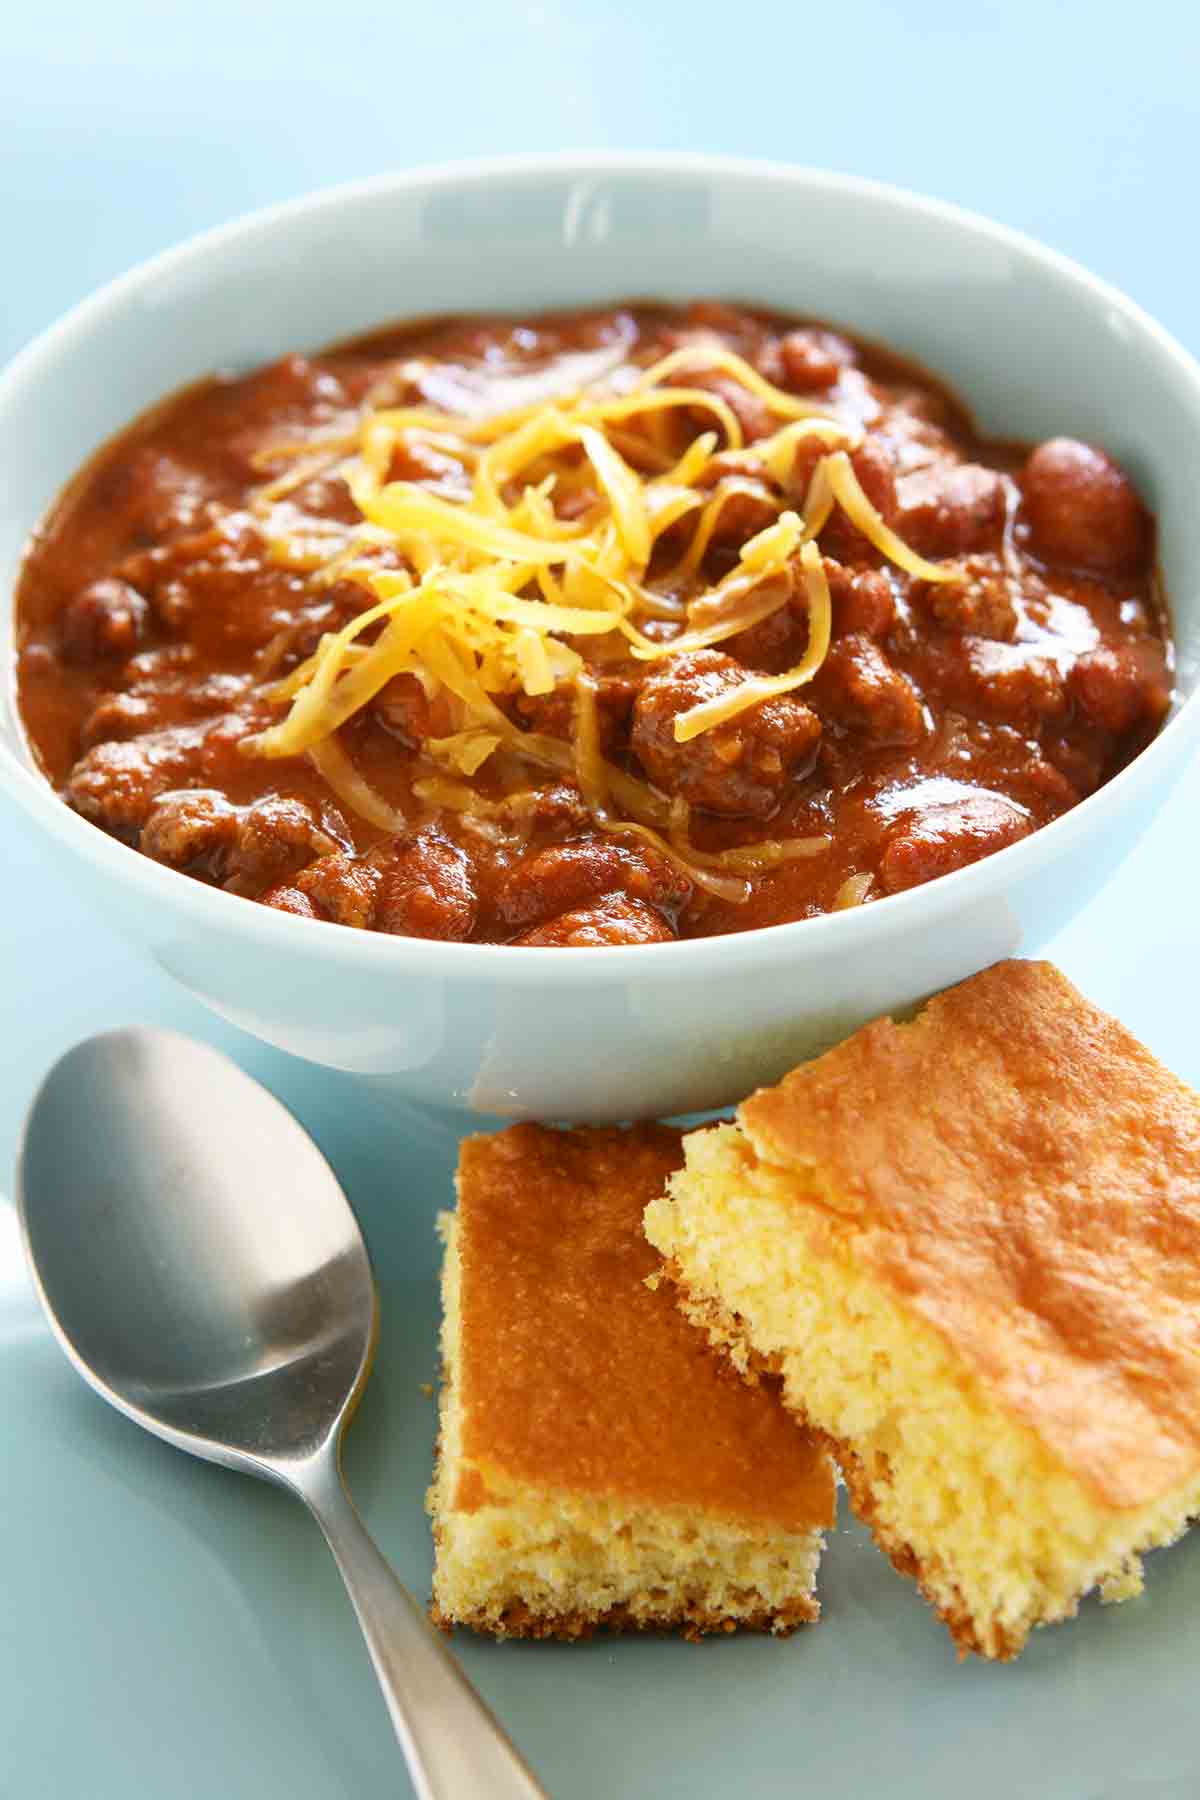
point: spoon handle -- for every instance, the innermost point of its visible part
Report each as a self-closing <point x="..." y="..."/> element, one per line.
<point x="454" y="1747"/>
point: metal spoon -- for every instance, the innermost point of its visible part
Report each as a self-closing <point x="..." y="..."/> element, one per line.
<point x="203" y="1271"/>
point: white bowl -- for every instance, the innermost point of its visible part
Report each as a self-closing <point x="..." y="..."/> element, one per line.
<point x="1035" y="344"/>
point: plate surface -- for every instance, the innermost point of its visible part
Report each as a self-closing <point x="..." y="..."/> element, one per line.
<point x="169" y="1630"/>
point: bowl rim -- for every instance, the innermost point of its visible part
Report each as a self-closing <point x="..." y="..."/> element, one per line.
<point x="680" y="958"/>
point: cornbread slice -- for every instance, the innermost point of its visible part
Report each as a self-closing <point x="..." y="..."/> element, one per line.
<point x="971" y="1247"/>
<point x="597" y="1463"/>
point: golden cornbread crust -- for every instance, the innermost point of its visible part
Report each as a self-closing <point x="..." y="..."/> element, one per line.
<point x="1020" y="1172"/>
<point x="725" y="1332"/>
<point x="1001" y="1647"/>
<point x="694" y="1622"/>
<point x="969" y="1246"/>
<point x="599" y="1468"/>
<point x="577" y="1375"/>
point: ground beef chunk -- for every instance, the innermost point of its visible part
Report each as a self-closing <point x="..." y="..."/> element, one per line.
<point x="979" y="602"/>
<point x="751" y="413"/>
<point x="291" y="389"/>
<point x="1116" y="685"/>
<point x="291" y="900"/>
<point x="160" y="668"/>
<point x="117" y="716"/>
<point x="341" y="887"/>
<point x="191" y="830"/>
<point x="159" y="495"/>
<point x="225" y="577"/>
<point x="948" y="836"/>
<point x="1012" y="684"/>
<point x="115" y="784"/>
<point x="433" y="468"/>
<point x="741" y="767"/>
<point x="565" y="877"/>
<point x="874" y="465"/>
<point x="426" y="889"/>
<point x="775" y="643"/>
<point x="558" y="808"/>
<point x="106" y="619"/>
<point x="152" y="703"/>
<point x="613" y="920"/>
<point x="1049" y="785"/>
<point x="405" y="710"/>
<point x="1083" y="765"/>
<point x="276" y="837"/>
<point x="553" y="714"/>
<point x="949" y="507"/>
<point x="746" y="509"/>
<point x="862" y="601"/>
<point x="328" y="497"/>
<point x="298" y="638"/>
<point x="247" y="848"/>
<point x="1083" y="510"/>
<point x="216" y="693"/>
<point x="222" y="738"/>
<point x="742" y="328"/>
<point x="810" y="358"/>
<point x="859" y="688"/>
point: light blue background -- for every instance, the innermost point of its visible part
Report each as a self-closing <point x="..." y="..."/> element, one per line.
<point x="125" y="127"/>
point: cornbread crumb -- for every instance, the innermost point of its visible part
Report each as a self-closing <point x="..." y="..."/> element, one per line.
<point x="970" y="1246"/>
<point x="597" y="1465"/>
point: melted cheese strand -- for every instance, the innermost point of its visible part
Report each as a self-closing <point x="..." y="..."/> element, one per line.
<point x="732" y="606"/>
<point x="404" y="508"/>
<point x="302" y="471"/>
<point x="455" y="796"/>
<point x="465" y="751"/>
<point x="313" y="706"/>
<point x="858" y="509"/>
<point x="497" y="580"/>
<point x="624" y="492"/>
<point x="666" y="506"/>
<point x="716" y="359"/>
<point x="853" y="891"/>
<point x="722" y="887"/>
<point x="818" y="501"/>
<point x="752" y="692"/>
<point x="590" y="767"/>
<point x="724" y="491"/>
<point x="529" y="647"/>
<point x="289" y="684"/>
<point x="754" y="858"/>
<point x="778" y="453"/>
<point x="693" y="462"/>
<point x="342" y="443"/>
<point x="500" y="463"/>
<point x="394" y="654"/>
<point x="336" y="768"/>
<point x="647" y="400"/>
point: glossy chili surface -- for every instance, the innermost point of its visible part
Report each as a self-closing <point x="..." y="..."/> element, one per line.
<point x="947" y="720"/>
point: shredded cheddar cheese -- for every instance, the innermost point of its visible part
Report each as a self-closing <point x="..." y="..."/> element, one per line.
<point x="538" y="537"/>
<point x="757" y="688"/>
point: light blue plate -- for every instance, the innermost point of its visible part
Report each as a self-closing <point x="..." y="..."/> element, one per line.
<point x="170" y="1631"/>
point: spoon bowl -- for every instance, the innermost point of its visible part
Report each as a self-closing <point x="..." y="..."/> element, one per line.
<point x="202" y="1268"/>
<point x="226" y="1303"/>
